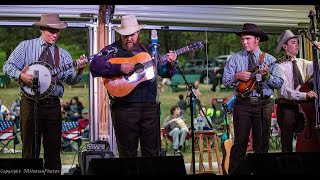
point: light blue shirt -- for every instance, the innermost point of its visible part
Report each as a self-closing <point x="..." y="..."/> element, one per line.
<point x="29" y="51"/>
<point x="239" y="62"/>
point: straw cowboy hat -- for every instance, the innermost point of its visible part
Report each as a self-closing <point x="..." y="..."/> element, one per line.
<point x="283" y="38"/>
<point x="51" y="21"/>
<point x="253" y="29"/>
<point x="129" y="25"/>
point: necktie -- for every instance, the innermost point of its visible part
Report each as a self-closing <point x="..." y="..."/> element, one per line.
<point x="297" y="78"/>
<point x="46" y="56"/>
<point x="251" y="62"/>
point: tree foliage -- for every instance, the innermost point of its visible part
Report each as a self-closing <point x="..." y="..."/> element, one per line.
<point x="75" y="40"/>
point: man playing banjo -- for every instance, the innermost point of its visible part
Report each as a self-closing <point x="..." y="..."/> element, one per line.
<point x="39" y="57"/>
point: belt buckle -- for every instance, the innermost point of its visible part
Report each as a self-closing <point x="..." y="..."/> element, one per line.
<point x="254" y="99"/>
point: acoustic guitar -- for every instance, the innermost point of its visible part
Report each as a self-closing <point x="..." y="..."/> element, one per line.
<point x="228" y="142"/>
<point x="143" y="70"/>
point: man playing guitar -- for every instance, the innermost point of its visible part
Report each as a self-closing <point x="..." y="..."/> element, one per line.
<point x="135" y="115"/>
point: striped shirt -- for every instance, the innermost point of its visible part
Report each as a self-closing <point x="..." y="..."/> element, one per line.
<point x="239" y="62"/>
<point x="28" y="52"/>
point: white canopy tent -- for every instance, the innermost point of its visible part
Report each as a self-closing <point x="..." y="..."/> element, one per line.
<point x="215" y="18"/>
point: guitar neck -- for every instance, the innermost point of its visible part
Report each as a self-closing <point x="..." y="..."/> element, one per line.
<point x="177" y="52"/>
<point x="58" y="70"/>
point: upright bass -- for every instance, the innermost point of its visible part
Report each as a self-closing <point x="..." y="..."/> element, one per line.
<point x="309" y="139"/>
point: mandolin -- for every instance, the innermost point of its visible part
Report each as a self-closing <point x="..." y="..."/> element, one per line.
<point x="246" y="87"/>
<point x="143" y="70"/>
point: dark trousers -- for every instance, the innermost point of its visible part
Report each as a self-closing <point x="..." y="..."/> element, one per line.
<point x="290" y="120"/>
<point x="133" y="122"/>
<point x="247" y="115"/>
<point x="49" y="132"/>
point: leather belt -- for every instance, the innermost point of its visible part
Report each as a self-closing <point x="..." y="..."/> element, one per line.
<point x="253" y="99"/>
<point x="287" y="101"/>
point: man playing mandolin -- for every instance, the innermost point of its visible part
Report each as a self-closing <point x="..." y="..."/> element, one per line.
<point x="247" y="111"/>
<point x="135" y="115"/>
<point x="42" y="52"/>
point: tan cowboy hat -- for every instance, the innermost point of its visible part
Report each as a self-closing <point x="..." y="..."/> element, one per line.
<point x="284" y="37"/>
<point x="253" y="29"/>
<point x="129" y="25"/>
<point x="52" y="21"/>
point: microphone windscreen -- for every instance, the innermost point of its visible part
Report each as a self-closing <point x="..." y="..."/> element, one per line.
<point x="154" y="34"/>
<point x="36" y="74"/>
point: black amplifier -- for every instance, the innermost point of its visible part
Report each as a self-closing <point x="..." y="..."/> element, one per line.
<point x="86" y="157"/>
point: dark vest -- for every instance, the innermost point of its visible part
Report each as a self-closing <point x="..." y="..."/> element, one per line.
<point x="145" y="91"/>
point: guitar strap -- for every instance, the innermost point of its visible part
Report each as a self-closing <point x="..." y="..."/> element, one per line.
<point x="144" y="47"/>
<point x="261" y="58"/>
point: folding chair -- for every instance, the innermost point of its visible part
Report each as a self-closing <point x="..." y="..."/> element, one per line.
<point x="7" y="134"/>
<point x="71" y="136"/>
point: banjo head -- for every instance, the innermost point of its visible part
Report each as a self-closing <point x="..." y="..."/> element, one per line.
<point x="46" y="85"/>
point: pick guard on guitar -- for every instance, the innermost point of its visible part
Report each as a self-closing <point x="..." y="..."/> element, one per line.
<point x="144" y="70"/>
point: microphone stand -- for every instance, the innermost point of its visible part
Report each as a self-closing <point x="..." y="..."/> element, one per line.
<point x="260" y="90"/>
<point x="192" y="96"/>
<point x="35" y="88"/>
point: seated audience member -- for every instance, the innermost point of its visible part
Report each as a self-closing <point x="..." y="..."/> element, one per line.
<point x="176" y="127"/>
<point x="200" y="122"/>
<point x="73" y="109"/>
<point x="84" y="123"/>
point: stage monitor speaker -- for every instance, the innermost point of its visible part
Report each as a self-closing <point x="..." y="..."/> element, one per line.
<point x="296" y="163"/>
<point x="140" y="166"/>
<point x="86" y="157"/>
<point x="19" y="166"/>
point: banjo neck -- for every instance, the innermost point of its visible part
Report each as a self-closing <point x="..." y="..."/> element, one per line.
<point x="58" y="70"/>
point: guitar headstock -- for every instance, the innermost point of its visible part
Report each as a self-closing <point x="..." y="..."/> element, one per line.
<point x="196" y="45"/>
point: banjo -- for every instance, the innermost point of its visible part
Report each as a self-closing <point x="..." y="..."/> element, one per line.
<point x="46" y="82"/>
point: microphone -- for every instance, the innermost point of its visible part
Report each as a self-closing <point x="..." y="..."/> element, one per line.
<point x="154" y="43"/>
<point x="258" y="77"/>
<point x="105" y="52"/>
<point x="35" y="80"/>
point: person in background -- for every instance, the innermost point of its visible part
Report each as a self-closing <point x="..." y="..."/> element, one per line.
<point x="73" y="109"/>
<point x="200" y="122"/>
<point x="247" y="110"/>
<point x="15" y="112"/>
<point x="289" y="116"/>
<point x="4" y="112"/>
<point x="84" y="123"/>
<point x="183" y="105"/>
<point x="136" y="115"/>
<point x="176" y="127"/>
<point x="49" y="124"/>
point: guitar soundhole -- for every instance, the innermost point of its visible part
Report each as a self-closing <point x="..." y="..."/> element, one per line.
<point x="138" y="68"/>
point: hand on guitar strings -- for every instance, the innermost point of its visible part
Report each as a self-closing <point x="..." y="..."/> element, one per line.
<point x="127" y="68"/>
<point x="243" y="75"/>
<point x="26" y="78"/>
<point x="81" y="63"/>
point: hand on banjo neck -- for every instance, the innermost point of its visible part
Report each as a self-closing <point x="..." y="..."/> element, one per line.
<point x="26" y="78"/>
